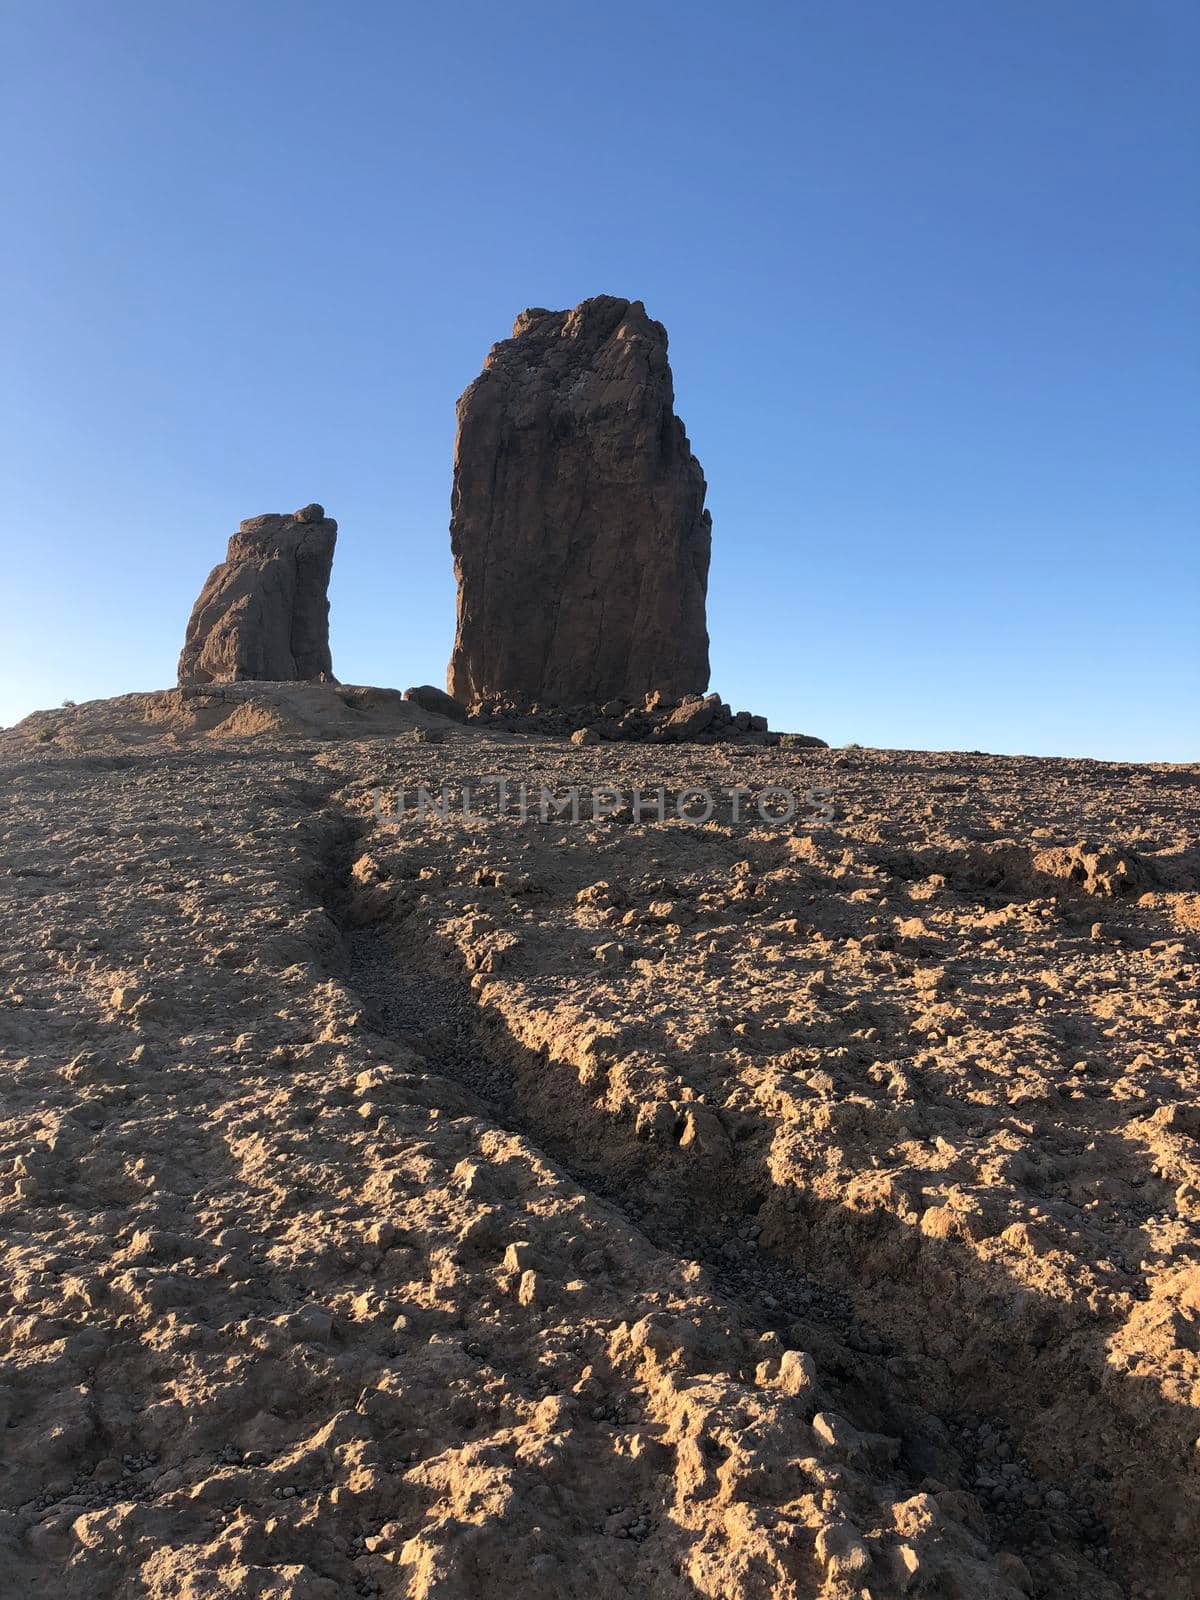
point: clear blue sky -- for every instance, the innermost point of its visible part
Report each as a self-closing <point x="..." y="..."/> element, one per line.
<point x="929" y="270"/>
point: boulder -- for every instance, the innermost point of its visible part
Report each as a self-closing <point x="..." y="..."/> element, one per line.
<point x="578" y="529"/>
<point x="693" y="716"/>
<point x="436" y="701"/>
<point x="263" y="614"/>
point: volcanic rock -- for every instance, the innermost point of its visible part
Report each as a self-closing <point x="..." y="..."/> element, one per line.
<point x="263" y="613"/>
<point x="437" y="701"/>
<point x="696" y="719"/>
<point x="693" y="716"/>
<point x="580" y="539"/>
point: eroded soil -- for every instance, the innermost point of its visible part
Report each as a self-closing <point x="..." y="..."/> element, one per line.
<point x="414" y="1205"/>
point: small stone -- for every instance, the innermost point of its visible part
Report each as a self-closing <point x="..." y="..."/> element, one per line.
<point x="797" y="1372"/>
<point x="517" y="1257"/>
<point x="703" y="1132"/>
<point x="312" y="1324"/>
<point x="906" y="1567"/>
<point x="656" y="1117"/>
<point x="842" y="1551"/>
<point x="530" y="1290"/>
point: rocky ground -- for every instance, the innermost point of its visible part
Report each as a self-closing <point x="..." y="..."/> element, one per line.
<point x="743" y="1208"/>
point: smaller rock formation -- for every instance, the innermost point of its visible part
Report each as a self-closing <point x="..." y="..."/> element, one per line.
<point x="437" y="701"/>
<point x="263" y="614"/>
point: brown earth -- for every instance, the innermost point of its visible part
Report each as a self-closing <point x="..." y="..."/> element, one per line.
<point x="414" y="1206"/>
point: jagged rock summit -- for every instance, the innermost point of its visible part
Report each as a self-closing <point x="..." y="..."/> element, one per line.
<point x="264" y="612"/>
<point x="580" y="539"/>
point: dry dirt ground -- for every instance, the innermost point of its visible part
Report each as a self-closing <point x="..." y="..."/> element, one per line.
<point x="417" y="1206"/>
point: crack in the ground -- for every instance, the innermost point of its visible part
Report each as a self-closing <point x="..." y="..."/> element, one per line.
<point x="423" y="1005"/>
<point x="436" y="1015"/>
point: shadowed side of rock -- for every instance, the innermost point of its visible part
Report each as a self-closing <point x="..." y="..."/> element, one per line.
<point x="580" y="539"/>
<point x="437" y="701"/>
<point x="696" y="719"/>
<point x="263" y="614"/>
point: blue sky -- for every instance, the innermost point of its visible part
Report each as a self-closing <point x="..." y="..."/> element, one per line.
<point x="929" y="272"/>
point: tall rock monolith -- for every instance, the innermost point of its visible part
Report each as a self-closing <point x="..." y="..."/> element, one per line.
<point x="578" y="529"/>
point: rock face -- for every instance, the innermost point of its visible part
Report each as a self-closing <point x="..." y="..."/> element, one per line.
<point x="580" y="539"/>
<point x="263" y="613"/>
